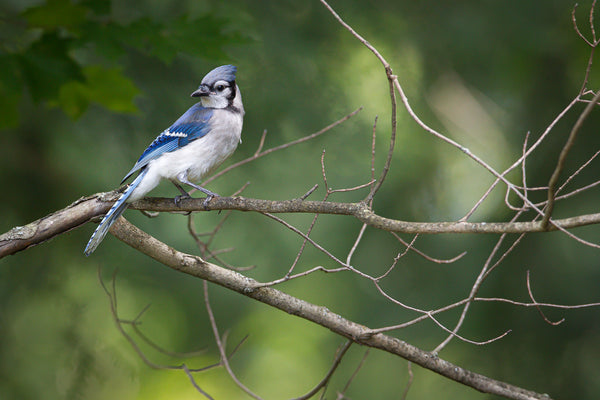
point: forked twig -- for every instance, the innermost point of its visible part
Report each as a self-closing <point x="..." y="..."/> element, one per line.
<point x="111" y="294"/>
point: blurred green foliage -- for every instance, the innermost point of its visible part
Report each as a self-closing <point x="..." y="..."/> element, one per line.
<point x="68" y="54"/>
<point x="86" y="85"/>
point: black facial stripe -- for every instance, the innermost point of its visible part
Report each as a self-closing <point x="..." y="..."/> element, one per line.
<point x="232" y="94"/>
<point x="232" y="86"/>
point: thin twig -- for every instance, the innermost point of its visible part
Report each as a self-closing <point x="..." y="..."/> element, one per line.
<point x="397" y="258"/>
<point x="576" y="27"/>
<point x="354" y="374"/>
<point x="524" y="171"/>
<point x="581" y="168"/>
<point x="538" y="308"/>
<point x="336" y="362"/>
<point x="563" y="157"/>
<point x="221" y="347"/>
<point x="536" y="304"/>
<point x="194" y="383"/>
<point x="427" y="257"/>
<point x="390" y="154"/>
<point x="259" y="154"/>
<point x="577" y="191"/>
<point x="359" y="237"/>
<point x="464" y="339"/>
<point x="409" y="383"/>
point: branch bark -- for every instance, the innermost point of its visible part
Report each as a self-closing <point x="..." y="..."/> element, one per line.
<point x="73" y="216"/>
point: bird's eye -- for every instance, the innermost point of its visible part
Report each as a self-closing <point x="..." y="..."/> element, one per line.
<point x="220" y="88"/>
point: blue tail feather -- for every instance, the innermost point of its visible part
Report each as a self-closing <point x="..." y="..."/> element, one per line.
<point x="112" y="215"/>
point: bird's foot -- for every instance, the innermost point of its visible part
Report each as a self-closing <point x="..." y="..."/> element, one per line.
<point x="207" y="200"/>
<point x="177" y="199"/>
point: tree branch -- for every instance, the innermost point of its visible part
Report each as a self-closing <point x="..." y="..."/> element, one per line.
<point x="195" y="266"/>
<point x="87" y="208"/>
<point x="71" y="217"/>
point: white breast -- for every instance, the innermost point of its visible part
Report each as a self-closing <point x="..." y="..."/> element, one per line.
<point x="203" y="155"/>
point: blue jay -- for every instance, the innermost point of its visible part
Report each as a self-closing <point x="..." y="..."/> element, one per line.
<point x="197" y="143"/>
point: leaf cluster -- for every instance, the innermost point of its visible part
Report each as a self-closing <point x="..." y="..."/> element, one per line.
<point x="68" y="55"/>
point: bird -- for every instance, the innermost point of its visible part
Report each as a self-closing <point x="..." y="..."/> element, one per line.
<point x="190" y="149"/>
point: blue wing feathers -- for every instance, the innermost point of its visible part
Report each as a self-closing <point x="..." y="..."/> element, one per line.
<point x="111" y="216"/>
<point x="192" y="125"/>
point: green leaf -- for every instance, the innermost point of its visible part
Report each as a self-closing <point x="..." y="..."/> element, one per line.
<point x="73" y="99"/>
<point x="47" y="65"/>
<point x="107" y="87"/>
<point x="200" y="37"/>
<point x="111" y="88"/>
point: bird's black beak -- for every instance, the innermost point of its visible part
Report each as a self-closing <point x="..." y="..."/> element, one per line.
<point x="203" y="90"/>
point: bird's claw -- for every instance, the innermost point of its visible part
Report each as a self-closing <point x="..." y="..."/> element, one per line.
<point x="178" y="199"/>
<point x="209" y="197"/>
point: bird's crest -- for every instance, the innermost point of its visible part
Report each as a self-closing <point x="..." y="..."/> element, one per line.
<point x="224" y="73"/>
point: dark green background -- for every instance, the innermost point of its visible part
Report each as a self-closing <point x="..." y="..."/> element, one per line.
<point x="85" y="86"/>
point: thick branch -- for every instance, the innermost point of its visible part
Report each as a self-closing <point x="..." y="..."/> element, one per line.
<point x="87" y="208"/>
<point x="76" y="214"/>
<point x="237" y="282"/>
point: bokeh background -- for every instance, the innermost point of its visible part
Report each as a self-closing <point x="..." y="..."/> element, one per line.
<point x="86" y="85"/>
